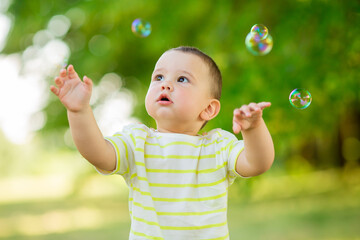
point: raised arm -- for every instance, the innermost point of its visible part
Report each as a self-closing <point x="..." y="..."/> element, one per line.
<point x="258" y="154"/>
<point x="75" y="95"/>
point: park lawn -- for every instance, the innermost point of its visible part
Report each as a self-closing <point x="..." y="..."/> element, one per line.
<point x="334" y="215"/>
<point x="331" y="215"/>
<point x="314" y="206"/>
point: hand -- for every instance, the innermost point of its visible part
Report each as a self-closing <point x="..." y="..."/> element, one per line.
<point x="248" y="116"/>
<point x="73" y="93"/>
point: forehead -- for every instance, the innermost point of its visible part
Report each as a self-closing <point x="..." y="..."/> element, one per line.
<point x="175" y="60"/>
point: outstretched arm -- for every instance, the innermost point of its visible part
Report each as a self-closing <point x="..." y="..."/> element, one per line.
<point x="258" y="154"/>
<point x="75" y="95"/>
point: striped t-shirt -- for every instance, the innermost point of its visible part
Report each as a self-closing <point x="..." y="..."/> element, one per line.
<point x="178" y="184"/>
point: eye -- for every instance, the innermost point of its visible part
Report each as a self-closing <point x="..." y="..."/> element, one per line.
<point x="159" y="78"/>
<point x="183" y="79"/>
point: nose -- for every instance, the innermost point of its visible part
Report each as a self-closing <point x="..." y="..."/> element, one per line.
<point x="167" y="85"/>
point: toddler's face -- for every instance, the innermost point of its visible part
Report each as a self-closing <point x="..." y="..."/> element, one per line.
<point x="179" y="89"/>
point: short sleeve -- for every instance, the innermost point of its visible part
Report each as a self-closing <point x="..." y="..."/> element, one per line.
<point x="123" y="151"/>
<point x="234" y="151"/>
<point x="231" y="149"/>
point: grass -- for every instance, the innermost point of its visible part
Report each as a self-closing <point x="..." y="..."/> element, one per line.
<point x="306" y="214"/>
<point x="333" y="215"/>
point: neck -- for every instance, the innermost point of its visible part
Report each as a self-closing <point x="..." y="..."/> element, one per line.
<point x="183" y="129"/>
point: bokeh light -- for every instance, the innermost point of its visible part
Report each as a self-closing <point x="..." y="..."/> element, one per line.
<point x="47" y="189"/>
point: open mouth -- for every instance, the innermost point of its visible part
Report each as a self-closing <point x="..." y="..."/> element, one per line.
<point x="164" y="99"/>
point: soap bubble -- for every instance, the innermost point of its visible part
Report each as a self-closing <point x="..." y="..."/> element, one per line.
<point x="64" y="63"/>
<point x="258" y="46"/>
<point x="259" y="42"/>
<point x="61" y="64"/>
<point x="300" y="98"/>
<point x="141" y="27"/>
<point x="259" y="31"/>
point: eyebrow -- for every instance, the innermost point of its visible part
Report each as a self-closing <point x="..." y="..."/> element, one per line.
<point x="188" y="73"/>
<point x="158" y="70"/>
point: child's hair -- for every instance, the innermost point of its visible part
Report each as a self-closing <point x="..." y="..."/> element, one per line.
<point x="213" y="68"/>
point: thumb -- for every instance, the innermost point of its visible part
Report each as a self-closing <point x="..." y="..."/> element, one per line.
<point x="88" y="82"/>
<point x="236" y="127"/>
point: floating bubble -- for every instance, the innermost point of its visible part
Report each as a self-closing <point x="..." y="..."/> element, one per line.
<point x="259" y="31"/>
<point x="300" y="98"/>
<point x="258" y="46"/>
<point x="65" y="63"/>
<point x="61" y="64"/>
<point x="141" y="27"/>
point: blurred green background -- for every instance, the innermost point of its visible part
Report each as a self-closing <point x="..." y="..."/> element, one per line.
<point x="47" y="191"/>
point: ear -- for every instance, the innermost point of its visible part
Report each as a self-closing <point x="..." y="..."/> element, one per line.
<point x="211" y="110"/>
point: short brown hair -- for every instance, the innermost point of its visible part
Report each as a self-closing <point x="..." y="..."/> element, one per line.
<point x="213" y="68"/>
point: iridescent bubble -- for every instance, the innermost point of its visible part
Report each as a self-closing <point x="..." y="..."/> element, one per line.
<point x="62" y="64"/>
<point x="260" y="30"/>
<point x="65" y="63"/>
<point x="141" y="27"/>
<point x="258" y="46"/>
<point x="300" y="98"/>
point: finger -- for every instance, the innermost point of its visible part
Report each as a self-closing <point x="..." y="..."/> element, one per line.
<point x="62" y="73"/>
<point x="263" y="105"/>
<point x="236" y="126"/>
<point x="71" y="72"/>
<point x="237" y="112"/>
<point x="54" y="90"/>
<point x="245" y="111"/>
<point x="254" y="107"/>
<point x="59" y="82"/>
<point x="88" y="82"/>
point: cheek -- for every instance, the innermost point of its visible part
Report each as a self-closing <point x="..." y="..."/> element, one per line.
<point x="188" y="100"/>
<point x="187" y="95"/>
<point x="148" y="99"/>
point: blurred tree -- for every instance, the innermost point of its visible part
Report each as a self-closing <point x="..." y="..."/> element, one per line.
<point x="316" y="46"/>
